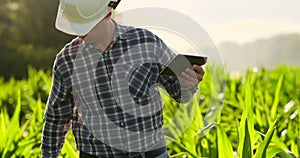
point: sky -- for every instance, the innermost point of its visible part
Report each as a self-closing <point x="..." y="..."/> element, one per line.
<point x="239" y="21"/>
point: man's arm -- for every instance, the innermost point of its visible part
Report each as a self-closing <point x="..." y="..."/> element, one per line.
<point x="184" y="85"/>
<point x="176" y="90"/>
<point x="57" y="117"/>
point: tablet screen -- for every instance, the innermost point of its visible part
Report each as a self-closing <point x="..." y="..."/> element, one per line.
<point x="180" y="62"/>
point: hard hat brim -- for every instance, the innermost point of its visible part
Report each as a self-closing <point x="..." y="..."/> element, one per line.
<point x="81" y="27"/>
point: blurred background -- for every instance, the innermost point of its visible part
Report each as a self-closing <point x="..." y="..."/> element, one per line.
<point x="28" y="36"/>
<point x="247" y="33"/>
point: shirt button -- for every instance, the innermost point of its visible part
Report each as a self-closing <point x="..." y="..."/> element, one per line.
<point x="122" y="124"/>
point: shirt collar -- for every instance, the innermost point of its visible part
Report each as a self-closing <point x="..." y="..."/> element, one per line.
<point x="122" y="32"/>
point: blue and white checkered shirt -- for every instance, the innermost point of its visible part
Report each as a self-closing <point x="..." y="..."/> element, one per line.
<point x="110" y="97"/>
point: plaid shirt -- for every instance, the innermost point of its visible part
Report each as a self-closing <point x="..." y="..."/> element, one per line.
<point x="109" y="97"/>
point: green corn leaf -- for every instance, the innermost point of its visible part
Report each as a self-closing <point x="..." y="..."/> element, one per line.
<point x="13" y="127"/>
<point x="224" y="145"/>
<point x="25" y="146"/>
<point x="295" y="148"/>
<point x="3" y="130"/>
<point x="246" y="126"/>
<point x="69" y="150"/>
<point x="247" y="147"/>
<point x="249" y="108"/>
<point x="182" y="147"/>
<point x="244" y="147"/>
<point x="262" y="148"/>
<point x="276" y="98"/>
<point x="39" y="111"/>
<point x="273" y="151"/>
<point x="181" y="154"/>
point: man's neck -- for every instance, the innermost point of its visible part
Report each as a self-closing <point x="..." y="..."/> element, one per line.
<point x="102" y="34"/>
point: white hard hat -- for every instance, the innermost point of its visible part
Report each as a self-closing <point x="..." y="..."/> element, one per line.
<point x="78" y="17"/>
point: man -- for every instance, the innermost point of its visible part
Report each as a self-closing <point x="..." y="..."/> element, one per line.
<point x="104" y="85"/>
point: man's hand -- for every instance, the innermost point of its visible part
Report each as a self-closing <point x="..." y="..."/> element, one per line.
<point x="191" y="77"/>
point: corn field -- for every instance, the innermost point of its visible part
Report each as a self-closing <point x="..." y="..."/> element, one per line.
<point x="259" y="117"/>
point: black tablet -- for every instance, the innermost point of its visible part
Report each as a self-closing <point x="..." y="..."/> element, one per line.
<point x="182" y="61"/>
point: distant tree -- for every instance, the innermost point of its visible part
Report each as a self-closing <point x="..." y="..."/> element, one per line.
<point x="270" y="52"/>
<point x="34" y="23"/>
<point x="28" y="36"/>
<point x="6" y="20"/>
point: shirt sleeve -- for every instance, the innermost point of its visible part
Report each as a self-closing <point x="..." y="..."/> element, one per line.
<point x="57" y="116"/>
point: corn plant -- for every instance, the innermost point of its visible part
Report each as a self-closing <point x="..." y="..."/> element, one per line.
<point x="20" y="133"/>
<point x="258" y="118"/>
<point x="250" y="120"/>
